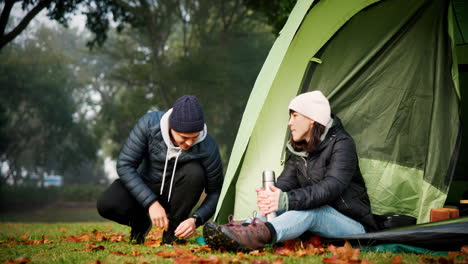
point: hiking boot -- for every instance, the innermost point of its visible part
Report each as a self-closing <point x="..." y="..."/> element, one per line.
<point x="169" y="238"/>
<point x="247" y="236"/>
<point x="137" y="236"/>
<point x="214" y="238"/>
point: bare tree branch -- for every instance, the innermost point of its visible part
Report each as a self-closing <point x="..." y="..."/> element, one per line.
<point x="6" y="38"/>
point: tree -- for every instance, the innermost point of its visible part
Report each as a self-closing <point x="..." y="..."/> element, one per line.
<point x="276" y="11"/>
<point x="212" y="49"/>
<point x="97" y="12"/>
<point x="43" y="130"/>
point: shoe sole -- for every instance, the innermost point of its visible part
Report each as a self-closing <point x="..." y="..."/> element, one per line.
<point x="216" y="240"/>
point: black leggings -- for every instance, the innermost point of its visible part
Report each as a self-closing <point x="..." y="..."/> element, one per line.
<point x="118" y="204"/>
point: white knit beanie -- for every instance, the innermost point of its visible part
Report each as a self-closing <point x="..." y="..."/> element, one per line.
<point x="313" y="105"/>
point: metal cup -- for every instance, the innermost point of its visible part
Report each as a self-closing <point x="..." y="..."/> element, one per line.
<point x="268" y="179"/>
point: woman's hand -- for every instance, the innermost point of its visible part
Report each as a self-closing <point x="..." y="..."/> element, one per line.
<point x="268" y="200"/>
<point x="186" y="229"/>
<point x="158" y="215"/>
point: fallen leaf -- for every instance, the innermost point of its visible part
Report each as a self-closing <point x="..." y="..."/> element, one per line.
<point x="344" y="254"/>
<point x="260" y="262"/>
<point x="397" y="259"/>
<point x="277" y="261"/>
<point x="119" y="253"/>
<point x="82" y="238"/>
<point x="464" y="249"/>
<point x="24" y="237"/>
<point x="62" y="229"/>
<point x="36" y="242"/>
<point x="314" y="241"/>
<point x="166" y="254"/>
<point x="334" y="260"/>
<point x="91" y="247"/>
<point x="201" y="248"/>
<point x="453" y="254"/>
<point x="300" y="253"/>
<point x="153" y="243"/>
<point x="257" y="253"/>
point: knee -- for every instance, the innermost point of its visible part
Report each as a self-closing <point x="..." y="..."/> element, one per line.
<point x="105" y="206"/>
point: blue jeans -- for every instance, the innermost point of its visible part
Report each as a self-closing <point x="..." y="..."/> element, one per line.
<point x="324" y="221"/>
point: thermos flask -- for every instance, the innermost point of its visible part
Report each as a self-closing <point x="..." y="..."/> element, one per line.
<point x="269" y="180"/>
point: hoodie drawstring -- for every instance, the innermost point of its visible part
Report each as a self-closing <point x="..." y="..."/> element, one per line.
<point x="173" y="174"/>
<point x="164" y="173"/>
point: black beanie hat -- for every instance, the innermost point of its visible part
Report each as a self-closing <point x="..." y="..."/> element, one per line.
<point x="187" y="115"/>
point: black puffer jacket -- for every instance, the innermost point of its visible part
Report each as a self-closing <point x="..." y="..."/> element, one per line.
<point x="328" y="176"/>
<point x="147" y="146"/>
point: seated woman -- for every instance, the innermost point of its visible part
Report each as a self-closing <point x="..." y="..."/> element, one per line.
<point x="321" y="188"/>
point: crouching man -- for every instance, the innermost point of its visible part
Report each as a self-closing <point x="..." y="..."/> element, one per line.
<point x="164" y="166"/>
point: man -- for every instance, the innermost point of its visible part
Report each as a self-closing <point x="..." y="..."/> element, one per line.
<point x="164" y="166"/>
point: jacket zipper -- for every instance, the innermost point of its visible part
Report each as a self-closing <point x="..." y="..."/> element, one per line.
<point x="344" y="201"/>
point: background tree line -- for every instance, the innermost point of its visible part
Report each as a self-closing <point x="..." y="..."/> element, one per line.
<point x="69" y="99"/>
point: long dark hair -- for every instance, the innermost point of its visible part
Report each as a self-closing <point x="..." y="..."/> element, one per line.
<point x="314" y="138"/>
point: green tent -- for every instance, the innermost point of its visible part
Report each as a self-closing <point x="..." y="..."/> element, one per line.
<point x="390" y="72"/>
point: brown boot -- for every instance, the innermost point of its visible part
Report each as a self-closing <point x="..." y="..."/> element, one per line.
<point x="214" y="238"/>
<point x="246" y="237"/>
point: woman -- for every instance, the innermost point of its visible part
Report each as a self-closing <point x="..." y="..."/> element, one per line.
<point x="321" y="188"/>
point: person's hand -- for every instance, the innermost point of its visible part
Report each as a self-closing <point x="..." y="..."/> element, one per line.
<point x="158" y="215"/>
<point x="186" y="229"/>
<point x="268" y="200"/>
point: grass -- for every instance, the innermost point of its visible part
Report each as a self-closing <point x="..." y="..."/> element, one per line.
<point x="65" y="235"/>
<point x="57" y="249"/>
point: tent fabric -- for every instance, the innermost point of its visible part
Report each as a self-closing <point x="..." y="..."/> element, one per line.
<point x="259" y="93"/>
<point x="402" y="248"/>
<point x="394" y="92"/>
<point x="253" y="149"/>
<point x="448" y="235"/>
<point x="386" y="68"/>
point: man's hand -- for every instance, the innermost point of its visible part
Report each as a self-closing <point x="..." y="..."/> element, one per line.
<point x="186" y="229"/>
<point x="268" y="200"/>
<point x="158" y="215"/>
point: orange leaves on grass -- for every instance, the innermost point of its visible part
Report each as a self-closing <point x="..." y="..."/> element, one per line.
<point x="397" y="260"/>
<point x="241" y="257"/>
<point x="153" y="239"/>
<point x="183" y="256"/>
<point x="24" y="240"/>
<point x="91" y="247"/>
<point x="177" y="252"/>
<point x="82" y="238"/>
<point x="194" y="259"/>
<point x="95" y="235"/>
<point x="464" y="249"/>
<point x="344" y="255"/>
<point x="313" y="246"/>
<point x="153" y="243"/>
